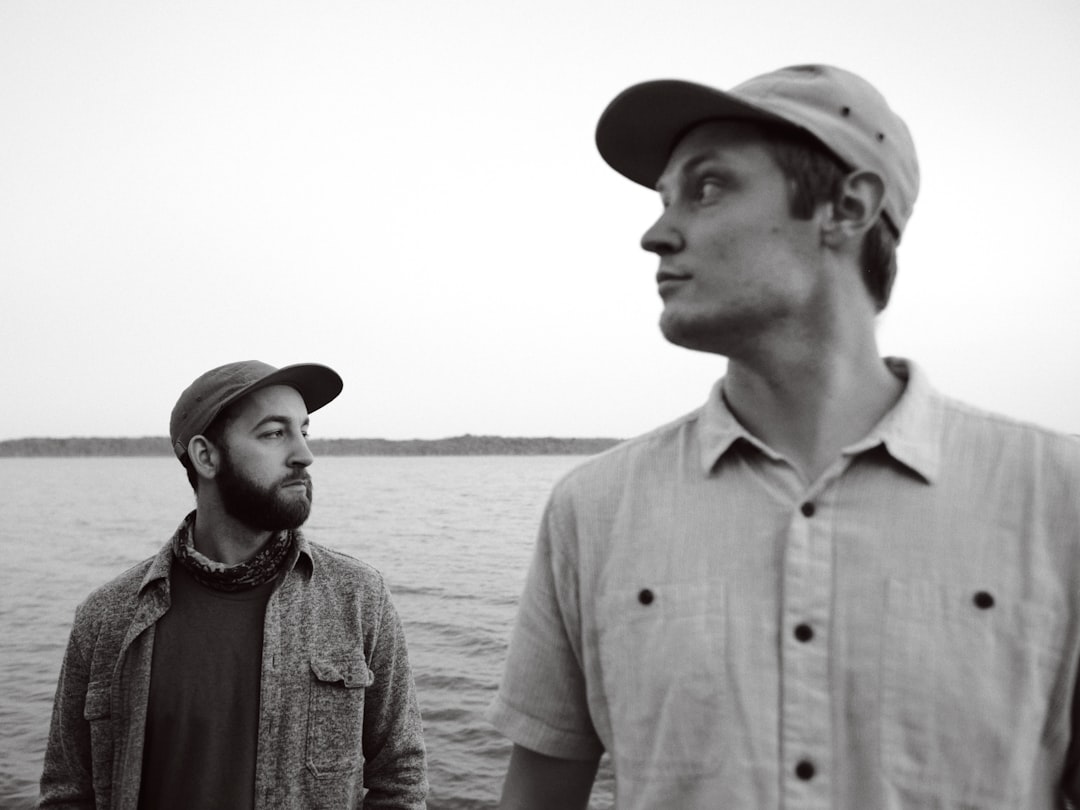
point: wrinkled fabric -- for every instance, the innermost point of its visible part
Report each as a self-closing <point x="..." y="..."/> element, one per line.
<point x="339" y="725"/>
<point x="901" y="634"/>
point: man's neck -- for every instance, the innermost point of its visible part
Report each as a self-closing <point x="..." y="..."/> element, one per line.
<point x="810" y="406"/>
<point x="220" y="537"/>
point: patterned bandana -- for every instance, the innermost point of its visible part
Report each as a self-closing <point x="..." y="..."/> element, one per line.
<point x="260" y="569"/>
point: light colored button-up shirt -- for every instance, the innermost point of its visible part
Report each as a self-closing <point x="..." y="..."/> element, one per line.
<point x="903" y="632"/>
<point x="339" y="725"/>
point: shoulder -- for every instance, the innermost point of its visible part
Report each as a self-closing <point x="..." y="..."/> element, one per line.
<point x="587" y="499"/>
<point x="341" y="586"/>
<point x="118" y="591"/>
<point x="659" y="447"/>
<point x="969" y="423"/>
<point x="114" y="601"/>
<point x="344" y="568"/>
<point x="1038" y="465"/>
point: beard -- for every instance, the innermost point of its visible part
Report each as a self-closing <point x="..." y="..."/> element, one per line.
<point x="263" y="508"/>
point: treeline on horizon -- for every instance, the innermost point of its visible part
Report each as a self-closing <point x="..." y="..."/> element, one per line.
<point x="466" y="445"/>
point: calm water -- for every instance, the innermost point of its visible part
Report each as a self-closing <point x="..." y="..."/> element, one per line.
<point x="452" y="536"/>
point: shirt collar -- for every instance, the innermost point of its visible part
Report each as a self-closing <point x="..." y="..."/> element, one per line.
<point x="910" y="432"/>
<point x="720" y="430"/>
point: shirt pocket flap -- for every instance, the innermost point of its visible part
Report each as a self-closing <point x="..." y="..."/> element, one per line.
<point x="97" y="701"/>
<point x="349" y="670"/>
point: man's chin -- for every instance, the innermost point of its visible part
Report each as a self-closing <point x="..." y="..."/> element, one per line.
<point x="282" y="516"/>
<point x="284" y="521"/>
<point x="296" y="513"/>
<point x="296" y="523"/>
<point x="691" y="334"/>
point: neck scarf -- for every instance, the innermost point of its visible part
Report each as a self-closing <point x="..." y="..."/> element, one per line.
<point x="259" y="570"/>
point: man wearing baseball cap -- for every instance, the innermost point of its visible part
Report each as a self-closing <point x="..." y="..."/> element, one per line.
<point x="830" y="586"/>
<point x="243" y="666"/>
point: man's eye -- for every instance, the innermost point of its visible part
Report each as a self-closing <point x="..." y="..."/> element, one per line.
<point x="708" y="189"/>
<point x="273" y="434"/>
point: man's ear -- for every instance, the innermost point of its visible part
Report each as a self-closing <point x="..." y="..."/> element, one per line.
<point x="205" y="458"/>
<point x="856" y="210"/>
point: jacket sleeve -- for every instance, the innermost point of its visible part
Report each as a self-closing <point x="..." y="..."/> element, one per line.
<point x="395" y="770"/>
<point x="67" y="777"/>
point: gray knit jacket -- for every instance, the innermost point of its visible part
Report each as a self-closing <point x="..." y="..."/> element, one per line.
<point x="333" y="652"/>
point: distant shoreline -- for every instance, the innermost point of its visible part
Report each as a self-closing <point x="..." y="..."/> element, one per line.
<point x="467" y="445"/>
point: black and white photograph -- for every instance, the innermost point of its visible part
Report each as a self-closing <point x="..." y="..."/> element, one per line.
<point x="564" y="405"/>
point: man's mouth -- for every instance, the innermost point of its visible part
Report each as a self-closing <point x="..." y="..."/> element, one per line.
<point x="668" y="278"/>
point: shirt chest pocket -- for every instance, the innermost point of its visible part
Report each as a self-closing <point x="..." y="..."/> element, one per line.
<point x="970" y="684"/>
<point x="662" y="655"/>
<point x="336" y="713"/>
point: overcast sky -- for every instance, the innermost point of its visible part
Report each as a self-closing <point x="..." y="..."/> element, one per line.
<point x="409" y="192"/>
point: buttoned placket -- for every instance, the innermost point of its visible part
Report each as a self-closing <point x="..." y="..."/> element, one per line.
<point x="269" y="733"/>
<point x="806" y="732"/>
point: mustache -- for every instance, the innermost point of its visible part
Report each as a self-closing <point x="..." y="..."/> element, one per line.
<point x="302" y="478"/>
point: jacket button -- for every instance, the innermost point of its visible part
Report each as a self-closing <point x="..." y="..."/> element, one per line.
<point x="807" y="509"/>
<point x="983" y="600"/>
<point x="804" y="632"/>
<point x="645" y="596"/>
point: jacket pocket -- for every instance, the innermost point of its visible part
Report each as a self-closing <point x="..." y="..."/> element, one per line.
<point x="336" y="713"/>
<point x="969" y="676"/>
<point x="97" y="712"/>
<point x="662" y="656"/>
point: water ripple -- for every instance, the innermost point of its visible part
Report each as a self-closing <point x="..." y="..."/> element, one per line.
<point x="452" y="536"/>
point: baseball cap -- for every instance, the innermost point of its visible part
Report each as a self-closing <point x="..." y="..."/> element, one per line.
<point x="213" y="391"/>
<point x="641" y="126"/>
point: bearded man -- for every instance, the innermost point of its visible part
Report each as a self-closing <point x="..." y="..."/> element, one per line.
<point x="243" y="666"/>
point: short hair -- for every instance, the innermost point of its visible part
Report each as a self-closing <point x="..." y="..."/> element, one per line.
<point x="215" y="434"/>
<point x="816" y="176"/>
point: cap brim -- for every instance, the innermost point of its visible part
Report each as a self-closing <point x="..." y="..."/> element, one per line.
<point x="641" y="126"/>
<point x="317" y="384"/>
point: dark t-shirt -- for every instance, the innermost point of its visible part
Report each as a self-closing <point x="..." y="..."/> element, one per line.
<point x="203" y="713"/>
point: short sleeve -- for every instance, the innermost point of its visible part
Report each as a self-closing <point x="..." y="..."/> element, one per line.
<point x="542" y="702"/>
<point x="1070" y="779"/>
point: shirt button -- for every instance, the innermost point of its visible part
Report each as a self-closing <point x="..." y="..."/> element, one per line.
<point x="983" y="600"/>
<point x="804" y="632"/>
<point x="805" y="770"/>
<point x="645" y="596"/>
<point x="807" y="509"/>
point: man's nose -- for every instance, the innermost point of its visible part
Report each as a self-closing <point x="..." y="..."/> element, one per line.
<point x="301" y="454"/>
<point x="662" y="238"/>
